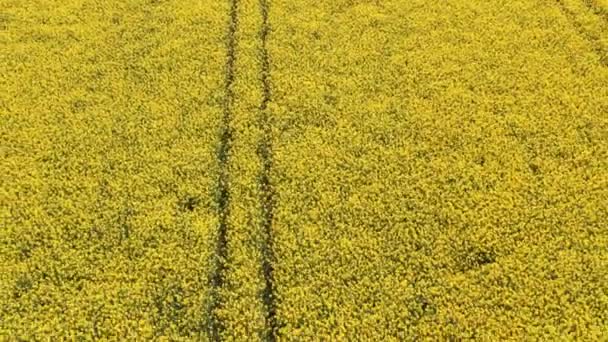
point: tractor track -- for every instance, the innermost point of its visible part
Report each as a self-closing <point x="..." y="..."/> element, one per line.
<point x="594" y="7"/>
<point x="217" y="279"/>
<point x="266" y="187"/>
<point x="591" y="39"/>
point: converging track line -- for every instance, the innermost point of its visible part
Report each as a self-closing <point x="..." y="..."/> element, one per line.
<point x="267" y="190"/>
<point x="594" y="7"/>
<point x="223" y="188"/>
<point x="593" y="41"/>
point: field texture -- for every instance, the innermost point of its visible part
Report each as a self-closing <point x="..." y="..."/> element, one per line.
<point x="304" y="170"/>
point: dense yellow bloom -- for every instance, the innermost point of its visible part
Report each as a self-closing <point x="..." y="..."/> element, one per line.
<point x="441" y="169"/>
<point x="109" y="121"/>
<point x="381" y="169"/>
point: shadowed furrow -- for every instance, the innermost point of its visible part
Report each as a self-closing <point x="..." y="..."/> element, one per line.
<point x="223" y="188"/>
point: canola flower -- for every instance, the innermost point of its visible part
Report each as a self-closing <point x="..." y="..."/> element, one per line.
<point x="441" y="170"/>
<point x="300" y="170"/>
<point x="110" y="115"/>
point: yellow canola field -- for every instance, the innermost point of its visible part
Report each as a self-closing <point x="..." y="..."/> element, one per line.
<point x="242" y="312"/>
<point x="110" y="113"/>
<point x="303" y="170"/>
<point x="441" y="170"/>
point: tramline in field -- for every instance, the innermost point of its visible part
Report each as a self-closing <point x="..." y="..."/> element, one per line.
<point x="298" y="170"/>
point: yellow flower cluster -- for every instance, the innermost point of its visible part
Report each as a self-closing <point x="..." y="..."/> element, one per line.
<point x="109" y="121"/>
<point x="590" y="18"/>
<point x="441" y="170"/>
<point x="399" y="170"/>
